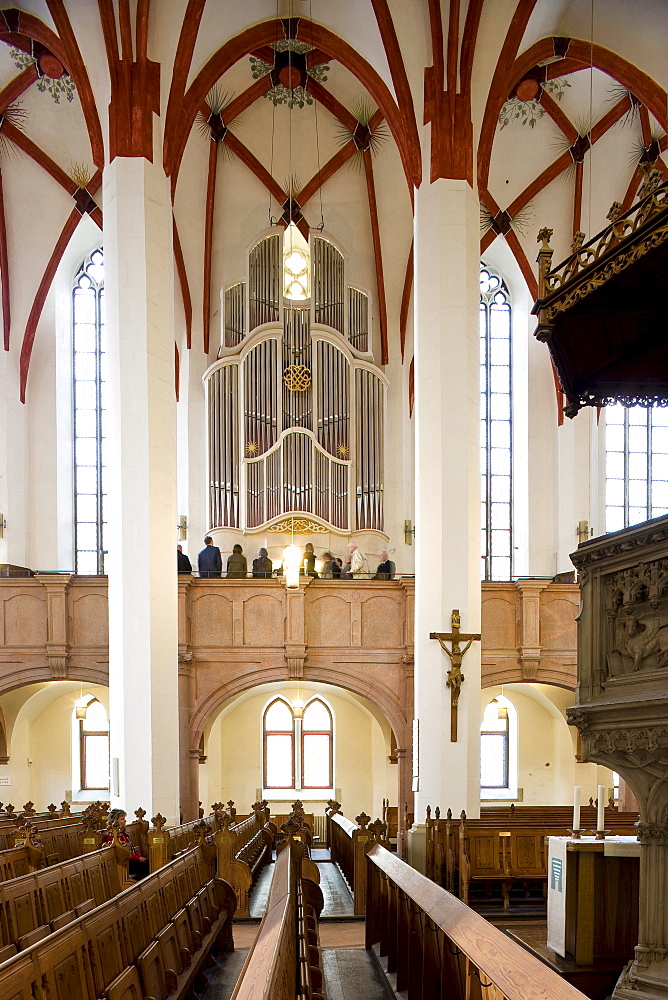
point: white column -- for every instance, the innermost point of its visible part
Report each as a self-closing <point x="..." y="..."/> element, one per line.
<point x="447" y="481"/>
<point x="143" y="638"/>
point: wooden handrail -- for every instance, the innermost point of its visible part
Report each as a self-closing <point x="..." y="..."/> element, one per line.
<point x="476" y="947"/>
<point x="279" y="961"/>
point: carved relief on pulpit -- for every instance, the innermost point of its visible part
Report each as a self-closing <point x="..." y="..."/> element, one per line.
<point x="636" y="610"/>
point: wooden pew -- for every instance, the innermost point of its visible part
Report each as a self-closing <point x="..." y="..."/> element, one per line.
<point x="150" y="941"/>
<point x="242" y="849"/>
<point x="349" y="843"/>
<point x="42" y="901"/>
<point x="284" y="961"/>
<point x="438" y="947"/>
<point x="505" y="847"/>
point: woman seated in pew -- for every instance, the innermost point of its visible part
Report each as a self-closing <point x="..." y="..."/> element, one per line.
<point x="137" y="864"/>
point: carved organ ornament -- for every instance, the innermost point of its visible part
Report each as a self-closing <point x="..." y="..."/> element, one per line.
<point x="295" y="404"/>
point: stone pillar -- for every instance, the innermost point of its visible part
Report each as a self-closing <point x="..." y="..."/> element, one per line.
<point x="58" y="620"/>
<point x="188" y="807"/>
<point x="530" y="646"/>
<point x="143" y="641"/>
<point x="447" y="480"/>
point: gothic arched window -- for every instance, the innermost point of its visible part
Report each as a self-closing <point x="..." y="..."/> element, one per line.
<point x="496" y="427"/>
<point x="298" y="746"/>
<point x="636" y="465"/>
<point x="89" y="401"/>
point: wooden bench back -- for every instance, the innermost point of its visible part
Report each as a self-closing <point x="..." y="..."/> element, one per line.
<point x="115" y="949"/>
<point x="440" y="947"/>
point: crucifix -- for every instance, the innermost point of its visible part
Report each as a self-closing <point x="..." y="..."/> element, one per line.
<point x="456" y="654"/>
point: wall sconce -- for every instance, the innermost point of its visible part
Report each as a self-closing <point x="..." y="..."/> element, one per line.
<point x="81" y="707"/>
<point x="298" y="708"/>
<point x="3" y="525"/>
<point x="583" y="531"/>
<point x="409" y="532"/>
<point x="182" y="527"/>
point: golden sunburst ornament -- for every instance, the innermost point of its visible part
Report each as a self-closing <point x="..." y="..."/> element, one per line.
<point x="342" y="450"/>
<point x="252" y="448"/>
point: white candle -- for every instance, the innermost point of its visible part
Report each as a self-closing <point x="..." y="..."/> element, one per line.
<point x="600" y="816"/>
<point x="577" y="796"/>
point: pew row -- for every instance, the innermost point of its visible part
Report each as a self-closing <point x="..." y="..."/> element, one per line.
<point x="438" y="947"/>
<point x="152" y="940"/>
<point x="349" y="843"/>
<point x="241" y="851"/>
<point x="37" y="903"/>
<point x="504" y="852"/>
<point x="284" y="961"/>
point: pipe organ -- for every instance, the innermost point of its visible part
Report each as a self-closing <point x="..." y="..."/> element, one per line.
<point x="295" y="404"/>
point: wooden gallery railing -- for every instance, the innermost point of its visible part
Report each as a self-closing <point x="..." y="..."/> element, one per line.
<point x="348" y="844"/>
<point x="438" y="947"/>
<point x="150" y="941"/>
<point x="242" y="849"/>
<point x="284" y="962"/>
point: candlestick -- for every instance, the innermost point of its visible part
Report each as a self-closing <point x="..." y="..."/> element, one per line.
<point x="577" y="796"/>
<point x="600" y="815"/>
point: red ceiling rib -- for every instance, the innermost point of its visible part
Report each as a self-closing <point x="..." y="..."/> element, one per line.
<point x="499" y="88"/>
<point x="244" y="100"/>
<point x="125" y="25"/>
<point x="406" y="299"/>
<point x="436" y="31"/>
<point x="108" y="22"/>
<point x="560" y="119"/>
<point x="77" y="68"/>
<point x="325" y="173"/>
<point x="378" y="255"/>
<point x="327" y="99"/>
<point x="645" y="126"/>
<point x="453" y="47"/>
<point x="21" y="140"/>
<point x="611" y="118"/>
<point x="401" y="87"/>
<point x="179" y="123"/>
<point x="177" y="370"/>
<point x="525" y="267"/>
<point x="45" y="284"/>
<point x="141" y="39"/>
<point x="632" y="189"/>
<point x="4" y="271"/>
<point x="255" y="166"/>
<point x="17" y="86"/>
<point x="208" y="241"/>
<point x="182" y="62"/>
<point x="469" y="37"/>
<point x="183" y="281"/>
<point x="538" y="183"/>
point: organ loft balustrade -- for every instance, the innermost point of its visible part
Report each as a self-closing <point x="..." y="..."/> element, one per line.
<point x="235" y="634"/>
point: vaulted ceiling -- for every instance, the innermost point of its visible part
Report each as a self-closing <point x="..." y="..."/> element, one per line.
<point x="555" y="109"/>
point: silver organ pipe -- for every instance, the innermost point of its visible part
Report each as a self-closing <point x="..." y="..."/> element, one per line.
<point x="264" y="281"/>
<point x="224" y="447"/>
<point x="328" y="284"/>
<point x="369" y="449"/>
<point x="235" y="322"/>
<point x="358" y="319"/>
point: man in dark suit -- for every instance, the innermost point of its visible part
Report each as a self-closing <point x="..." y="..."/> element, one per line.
<point x="182" y="561"/>
<point x="209" y="561"/>
<point x="386" y="570"/>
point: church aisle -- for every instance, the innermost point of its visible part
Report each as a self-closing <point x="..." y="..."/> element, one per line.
<point x="336" y="894"/>
<point x="352" y="974"/>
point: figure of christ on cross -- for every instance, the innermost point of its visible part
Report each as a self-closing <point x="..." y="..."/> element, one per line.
<point x="456" y="654"/>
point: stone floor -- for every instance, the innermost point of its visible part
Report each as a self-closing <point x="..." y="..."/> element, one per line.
<point x="353" y="974"/>
<point x="335" y="891"/>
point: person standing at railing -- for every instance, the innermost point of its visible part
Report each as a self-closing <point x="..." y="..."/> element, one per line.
<point x="386" y="569"/>
<point x="182" y="562"/>
<point x="359" y="565"/>
<point x="237" y="566"/>
<point x="262" y="566"/>
<point x="309" y="561"/>
<point x="209" y="561"/>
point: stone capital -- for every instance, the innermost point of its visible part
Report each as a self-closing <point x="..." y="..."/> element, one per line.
<point x="58" y="660"/>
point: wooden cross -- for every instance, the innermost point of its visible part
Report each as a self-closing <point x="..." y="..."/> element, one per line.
<point x="456" y="654"/>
